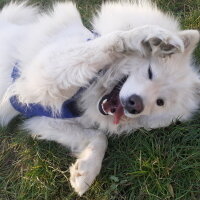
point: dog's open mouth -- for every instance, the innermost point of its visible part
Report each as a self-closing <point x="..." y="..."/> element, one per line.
<point x="110" y="104"/>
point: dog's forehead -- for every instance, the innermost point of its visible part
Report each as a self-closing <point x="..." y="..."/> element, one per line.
<point x="171" y="69"/>
<point x="168" y="66"/>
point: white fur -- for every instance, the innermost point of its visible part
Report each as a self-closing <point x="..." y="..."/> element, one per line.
<point x="56" y="60"/>
<point x="19" y="13"/>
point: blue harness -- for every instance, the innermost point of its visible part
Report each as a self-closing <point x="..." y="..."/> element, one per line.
<point x="69" y="107"/>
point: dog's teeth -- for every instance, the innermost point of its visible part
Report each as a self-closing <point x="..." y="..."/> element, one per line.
<point x="103" y="109"/>
<point x="110" y="113"/>
<point x="104" y="101"/>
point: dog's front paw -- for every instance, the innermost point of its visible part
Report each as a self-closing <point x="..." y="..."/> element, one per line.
<point x="82" y="174"/>
<point x="152" y="40"/>
<point x="162" y="43"/>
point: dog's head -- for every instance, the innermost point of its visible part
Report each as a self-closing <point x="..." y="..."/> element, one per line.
<point x="157" y="90"/>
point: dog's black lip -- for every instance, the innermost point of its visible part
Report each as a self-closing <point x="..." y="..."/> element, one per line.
<point x="116" y="89"/>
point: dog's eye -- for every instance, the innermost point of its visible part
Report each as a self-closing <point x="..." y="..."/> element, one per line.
<point x="150" y="74"/>
<point x="160" y="102"/>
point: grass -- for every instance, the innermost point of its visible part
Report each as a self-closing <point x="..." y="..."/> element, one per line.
<point x="162" y="164"/>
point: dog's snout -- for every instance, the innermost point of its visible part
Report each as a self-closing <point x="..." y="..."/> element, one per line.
<point x="134" y="104"/>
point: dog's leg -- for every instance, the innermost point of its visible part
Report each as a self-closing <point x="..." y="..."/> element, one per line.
<point x="88" y="164"/>
<point x="88" y="145"/>
<point x="65" y="67"/>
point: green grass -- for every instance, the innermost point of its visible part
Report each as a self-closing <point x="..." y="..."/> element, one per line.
<point x="161" y="164"/>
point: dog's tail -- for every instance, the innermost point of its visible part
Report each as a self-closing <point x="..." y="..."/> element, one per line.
<point x="19" y="13"/>
<point x="128" y="14"/>
<point x="65" y="12"/>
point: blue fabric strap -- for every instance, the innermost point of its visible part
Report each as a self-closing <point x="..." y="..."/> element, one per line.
<point x="95" y="35"/>
<point x="69" y="108"/>
<point x="15" y="73"/>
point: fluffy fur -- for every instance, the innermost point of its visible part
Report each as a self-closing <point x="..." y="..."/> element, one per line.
<point x="56" y="60"/>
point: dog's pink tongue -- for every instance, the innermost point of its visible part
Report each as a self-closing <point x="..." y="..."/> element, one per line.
<point x="118" y="114"/>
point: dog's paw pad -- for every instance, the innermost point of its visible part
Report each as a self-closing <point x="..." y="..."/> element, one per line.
<point x="82" y="176"/>
<point x="167" y="47"/>
<point x="163" y="45"/>
<point x="155" y="41"/>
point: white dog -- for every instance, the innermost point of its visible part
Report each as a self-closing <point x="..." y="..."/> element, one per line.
<point x="75" y="86"/>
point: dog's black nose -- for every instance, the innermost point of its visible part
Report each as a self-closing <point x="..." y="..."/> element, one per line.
<point x="134" y="104"/>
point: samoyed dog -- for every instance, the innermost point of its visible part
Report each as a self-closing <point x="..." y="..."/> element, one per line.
<point x="76" y="86"/>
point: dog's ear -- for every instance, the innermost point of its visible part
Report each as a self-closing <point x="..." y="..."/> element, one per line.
<point x="190" y="39"/>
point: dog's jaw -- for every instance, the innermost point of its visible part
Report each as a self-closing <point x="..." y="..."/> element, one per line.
<point x="110" y="104"/>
